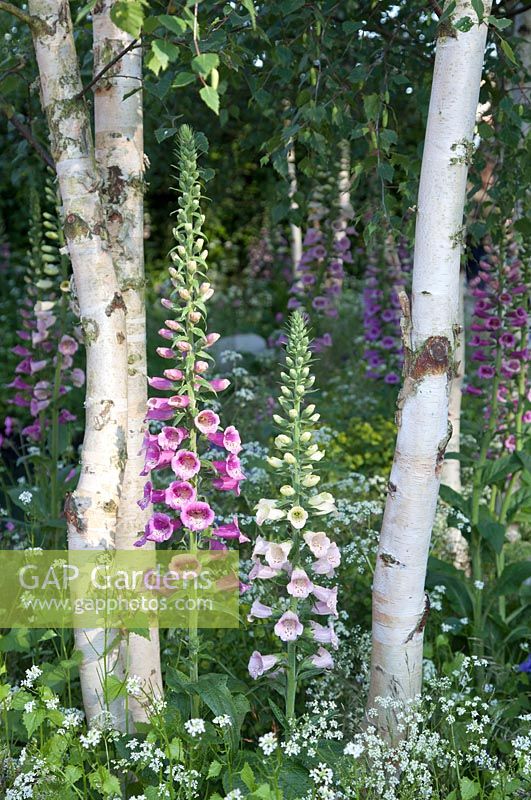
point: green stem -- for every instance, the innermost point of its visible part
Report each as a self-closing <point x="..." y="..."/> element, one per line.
<point x="475" y="541"/>
<point x="291" y="690"/>
<point x="54" y="443"/>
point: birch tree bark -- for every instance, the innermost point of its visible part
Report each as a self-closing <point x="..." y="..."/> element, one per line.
<point x="400" y="606"/>
<point x="118" y="125"/>
<point x="295" y="231"/>
<point x="91" y="510"/>
<point x="451" y="469"/>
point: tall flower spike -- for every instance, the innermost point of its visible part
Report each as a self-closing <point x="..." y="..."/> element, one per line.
<point x="499" y="343"/>
<point x="384" y="354"/>
<point x="182" y="426"/>
<point x="298" y="563"/>
<point x="326" y="249"/>
<point x="48" y="339"/>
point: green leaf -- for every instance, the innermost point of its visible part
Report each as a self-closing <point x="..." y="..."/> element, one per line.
<point x="183" y="79"/>
<point x="247" y="776"/>
<point x="352" y="27"/>
<point x="113" y="688"/>
<point x="469" y="789"/>
<point x="371" y="105"/>
<point x="457" y="591"/>
<point x="454" y="499"/>
<point x="72" y="774"/>
<point x="129" y="15"/>
<point x="210" y="97"/>
<point x="449" y="9"/>
<point x="249" y="6"/>
<point x="385" y="172"/>
<point x="174" y="24"/>
<point x="464" y="24"/>
<point x="164" y="133"/>
<point x="214" y="769"/>
<point x="498" y="470"/>
<point x="491" y="530"/>
<point x="479" y="8"/>
<point x="499" y="22"/>
<point x="104" y="782"/>
<point x="508" y="50"/>
<point x="513" y="577"/>
<point x="214" y="692"/>
<point x="205" y="63"/>
<point x="33" y="720"/>
<point x="160" y="55"/>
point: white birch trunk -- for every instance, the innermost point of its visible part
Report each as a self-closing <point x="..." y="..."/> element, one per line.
<point x="91" y="511"/>
<point x="343" y="186"/>
<point x="399" y="603"/>
<point x="343" y="194"/>
<point x="451" y="470"/>
<point x="295" y="231"/>
<point x="118" y="123"/>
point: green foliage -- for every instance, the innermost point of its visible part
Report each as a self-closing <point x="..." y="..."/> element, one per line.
<point x="366" y="445"/>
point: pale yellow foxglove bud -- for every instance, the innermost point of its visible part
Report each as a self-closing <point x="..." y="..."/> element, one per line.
<point x="287" y="491"/>
<point x="310" y="480"/>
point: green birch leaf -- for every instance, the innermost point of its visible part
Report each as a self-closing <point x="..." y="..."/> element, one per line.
<point x="249" y="6"/>
<point x="508" y="50"/>
<point x="210" y="97"/>
<point x="174" y="24"/>
<point x="129" y="15"/>
<point x="205" y="63"/>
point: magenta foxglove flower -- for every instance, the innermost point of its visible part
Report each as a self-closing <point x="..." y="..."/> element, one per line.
<point x="178" y="494"/>
<point x="150" y="496"/>
<point x="229" y="439"/>
<point x="68" y="346"/>
<point x="197" y="516"/>
<point x="207" y="421"/>
<point x="159" y="528"/>
<point x="173" y="374"/>
<point x="162" y="384"/>
<point x="170" y="438"/>
<point x="219" y="384"/>
<point x="185" y="464"/>
<point x="230" y="531"/>
<point x="289" y="627"/>
<point x="258" y="664"/>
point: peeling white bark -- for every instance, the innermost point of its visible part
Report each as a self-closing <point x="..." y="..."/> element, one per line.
<point x="399" y="603"/>
<point x="451" y="470"/>
<point x="118" y="117"/>
<point x="295" y="231"/>
<point x="91" y="511"/>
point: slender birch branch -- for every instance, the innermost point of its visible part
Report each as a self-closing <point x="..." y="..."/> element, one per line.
<point x="16" y="12"/>
<point x="26" y="134"/>
<point x="107" y="67"/>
